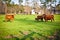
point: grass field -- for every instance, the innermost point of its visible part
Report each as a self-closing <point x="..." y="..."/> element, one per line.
<point x="24" y="27"/>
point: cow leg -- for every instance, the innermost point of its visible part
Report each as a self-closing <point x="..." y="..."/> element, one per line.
<point x="51" y="20"/>
<point x="11" y="19"/>
<point x="41" y="19"/>
<point x="6" y="19"/>
<point x="46" y="20"/>
<point x="37" y="19"/>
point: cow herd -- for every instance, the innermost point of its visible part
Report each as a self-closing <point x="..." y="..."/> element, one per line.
<point x="45" y="17"/>
<point x="10" y="17"/>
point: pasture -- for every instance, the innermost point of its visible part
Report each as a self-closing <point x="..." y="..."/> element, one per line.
<point x="24" y="27"/>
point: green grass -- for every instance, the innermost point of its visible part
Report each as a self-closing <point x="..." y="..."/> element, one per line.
<point x="23" y="23"/>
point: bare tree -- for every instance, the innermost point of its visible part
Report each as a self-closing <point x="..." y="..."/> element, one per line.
<point x="20" y="1"/>
<point x="6" y="1"/>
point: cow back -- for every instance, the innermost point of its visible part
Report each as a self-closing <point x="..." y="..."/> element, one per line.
<point x="49" y="17"/>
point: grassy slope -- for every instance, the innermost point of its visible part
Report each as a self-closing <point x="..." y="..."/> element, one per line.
<point x="26" y="23"/>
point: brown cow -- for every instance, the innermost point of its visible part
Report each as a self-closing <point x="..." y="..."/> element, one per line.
<point x="39" y="18"/>
<point x="48" y="17"/>
<point x="9" y="17"/>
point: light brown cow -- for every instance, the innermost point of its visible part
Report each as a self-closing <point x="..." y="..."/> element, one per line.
<point x="9" y="17"/>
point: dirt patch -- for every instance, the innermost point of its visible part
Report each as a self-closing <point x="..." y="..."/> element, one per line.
<point x="8" y="36"/>
<point x="25" y="32"/>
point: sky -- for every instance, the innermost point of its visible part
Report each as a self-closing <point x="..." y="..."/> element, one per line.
<point x="16" y="2"/>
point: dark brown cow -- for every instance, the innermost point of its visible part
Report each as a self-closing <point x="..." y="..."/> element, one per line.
<point x="48" y="17"/>
<point x="9" y="17"/>
<point x="39" y="18"/>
